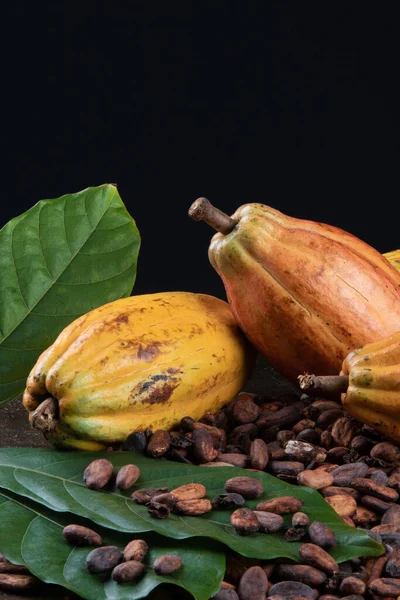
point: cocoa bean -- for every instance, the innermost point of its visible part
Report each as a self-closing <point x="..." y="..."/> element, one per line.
<point x="284" y="418"/>
<point x="235" y="459"/>
<point x="300" y="451"/>
<point x="158" y="444"/>
<point x="303" y="573"/>
<point x="208" y="419"/>
<point x="245" y="410"/>
<point x="236" y="566"/>
<point x="329" y="597"/>
<point x="180" y="440"/>
<point x="315" y="479"/>
<point x="286" y="467"/>
<point x="333" y="490"/>
<point x="249" y="430"/>
<point x="253" y="584"/>
<point x="135" y="442"/>
<point x="217" y="463"/>
<point x="320" y="406"/>
<point x="127" y="476"/>
<point x="343" y="504"/>
<point x="385" y="528"/>
<point x="352" y="585"/>
<point x="135" y="550"/>
<point x="385" y="586"/>
<point x="292" y="590"/>
<point x="387" y="452"/>
<point x="391" y="539"/>
<point x="248" y="487"/>
<point x="379" y="477"/>
<point x="268" y="522"/>
<point x="179" y="455"/>
<point x="302" y="425"/>
<point x="376" y="504"/>
<point x="221" y="420"/>
<point x="322" y="535"/>
<point x="317" y="557"/>
<point x="225" y="594"/>
<point x="364" y="517"/>
<point x="391" y="516"/>
<point x="362" y="445"/>
<point x="224" y="501"/>
<point x="193" y="508"/>
<point x="394" y="481"/>
<point x="352" y="597"/>
<point x="187" y="424"/>
<point x="203" y="447"/>
<point x="145" y="495"/>
<point x="366" y="486"/>
<point x="329" y="417"/>
<point x="81" y="536"/>
<point x="98" y="474"/>
<point x="295" y="534"/>
<point x="218" y="436"/>
<point x="344" y="430"/>
<point x="189" y="491"/>
<point x="300" y="519"/>
<point x="8" y="567"/>
<point x="103" y="559"/>
<point x="281" y="505"/>
<point x="285" y="435"/>
<point x="276" y="452"/>
<point x="158" y="510"/>
<point x="167" y="564"/>
<point x="348" y="521"/>
<point x="345" y="474"/>
<point x="259" y="454"/>
<point x="127" y="571"/>
<point x="16" y="582"/>
<point x="244" y="521"/>
<point x="326" y="439"/>
<point x="337" y="455"/>
<point x="375" y="567"/>
<point x="167" y="498"/>
<point x="393" y="564"/>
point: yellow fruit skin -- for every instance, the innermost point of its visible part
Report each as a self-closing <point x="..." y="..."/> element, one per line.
<point x="394" y="258"/>
<point x="140" y="363"/>
<point x="373" y="394"/>
<point x="304" y="293"/>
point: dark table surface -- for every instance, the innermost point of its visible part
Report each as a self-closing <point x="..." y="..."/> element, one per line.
<point x="16" y="431"/>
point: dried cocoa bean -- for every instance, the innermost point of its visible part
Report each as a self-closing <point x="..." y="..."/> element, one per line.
<point x="203" y="447"/>
<point x="8" y="567"/>
<point x="135" y="442"/>
<point x="344" y="430"/>
<point x="303" y="573"/>
<point x="221" y="420"/>
<point x="353" y="585"/>
<point x="193" y="508"/>
<point x="385" y="528"/>
<point x="285" y="417"/>
<point x="320" y="406"/>
<point x="284" y="436"/>
<point x="259" y="454"/>
<point x="326" y="439"/>
<point x="276" y="452"/>
<point x="322" y="535"/>
<point x="375" y="567"/>
<point x="189" y="491"/>
<point x="300" y="519"/>
<point x="208" y="419"/>
<point x="167" y="564"/>
<point x="364" y="517"/>
<point x="295" y="534"/>
<point x="334" y="490"/>
<point x="286" y="467"/>
<point x="392" y="567"/>
<point x="379" y="477"/>
<point x="167" y="498"/>
<point x="81" y="536"/>
<point x="249" y="430"/>
<point x="253" y="584"/>
<point x="391" y="516"/>
<point x="187" y="424"/>
<point x="366" y="486"/>
<point x="338" y="455"/>
<point x="394" y="481"/>
<point x="379" y="506"/>
<point x="315" y="479"/>
<point x="343" y="504"/>
<point x="385" y="586"/>
<point x="98" y="474"/>
<point x="391" y="539"/>
<point x="226" y="501"/>
<point x="300" y="451"/>
<point x="127" y="571"/>
<point x="315" y="556"/>
<point x="127" y="476"/>
<point x="158" y="510"/>
<point x="248" y="487"/>
<point x="245" y="410"/>
<point x="281" y="505"/>
<point x="217" y="463"/>
<point x="302" y="425"/>
<point x="329" y="417"/>
<point x="244" y="521"/>
<point x="135" y="550"/>
<point x="348" y="521"/>
<point x="387" y="452"/>
<point x="344" y="475"/>
<point x="158" y="444"/>
<point x="362" y="445"/>
<point x="103" y="559"/>
<point x="268" y="522"/>
<point x="16" y="582"/>
<point x="145" y="495"/>
<point x="292" y="590"/>
<point x="179" y="455"/>
<point x="329" y="597"/>
<point x="225" y="594"/>
<point x="235" y="459"/>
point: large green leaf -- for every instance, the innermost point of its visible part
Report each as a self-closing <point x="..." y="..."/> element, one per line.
<point x="58" y="260"/>
<point x="54" y="479"/>
<point x="32" y="535"/>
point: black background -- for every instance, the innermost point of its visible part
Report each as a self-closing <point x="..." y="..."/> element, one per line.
<point x="290" y="104"/>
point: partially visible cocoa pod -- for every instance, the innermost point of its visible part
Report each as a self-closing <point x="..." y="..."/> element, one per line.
<point x="127" y="476"/>
<point x="167" y="564"/>
<point x="189" y="491"/>
<point x="98" y="474"/>
<point x="135" y="550"/>
<point x="281" y="505"/>
<point x="248" y="487"/>
<point x="253" y="584"/>
<point x="244" y="521"/>
<point x="81" y="536"/>
<point x="317" y="557"/>
<point x="322" y="535"/>
<point x="103" y="559"/>
<point x="127" y="571"/>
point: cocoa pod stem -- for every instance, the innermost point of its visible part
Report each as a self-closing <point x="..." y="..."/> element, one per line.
<point x="203" y="210"/>
<point x="45" y="417"/>
<point x="323" y="384"/>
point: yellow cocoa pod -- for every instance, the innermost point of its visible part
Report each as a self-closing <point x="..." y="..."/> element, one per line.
<point x="138" y="363"/>
<point x="394" y="258"/>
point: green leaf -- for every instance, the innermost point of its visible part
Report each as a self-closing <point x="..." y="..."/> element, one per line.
<point x="54" y="479"/>
<point x="32" y="535"/>
<point x="59" y="260"/>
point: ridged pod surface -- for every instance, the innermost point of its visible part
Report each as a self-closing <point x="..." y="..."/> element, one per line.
<point x="140" y="363"/>
<point x="304" y="293"/>
<point x="373" y="393"/>
<point x="394" y="258"/>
